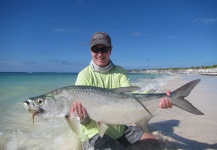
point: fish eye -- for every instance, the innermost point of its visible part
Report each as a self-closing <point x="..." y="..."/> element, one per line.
<point x="40" y="102"/>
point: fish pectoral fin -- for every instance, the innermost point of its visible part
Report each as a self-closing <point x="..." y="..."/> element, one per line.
<point x="102" y="128"/>
<point x="144" y="123"/>
<point x="128" y="89"/>
<point x="74" y="123"/>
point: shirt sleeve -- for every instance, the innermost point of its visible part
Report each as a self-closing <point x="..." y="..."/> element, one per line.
<point x="124" y="81"/>
<point x="82" y="79"/>
<point x="89" y="129"/>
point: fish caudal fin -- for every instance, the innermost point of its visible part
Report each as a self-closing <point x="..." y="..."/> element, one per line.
<point x="179" y="95"/>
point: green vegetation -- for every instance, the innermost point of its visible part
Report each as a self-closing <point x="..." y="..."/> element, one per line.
<point x="176" y="68"/>
<point x="192" y="67"/>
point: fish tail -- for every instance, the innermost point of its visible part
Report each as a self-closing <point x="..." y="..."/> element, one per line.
<point x="178" y="97"/>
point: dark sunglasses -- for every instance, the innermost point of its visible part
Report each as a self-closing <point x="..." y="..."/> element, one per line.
<point x="102" y="50"/>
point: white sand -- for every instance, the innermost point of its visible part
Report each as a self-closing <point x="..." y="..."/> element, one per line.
<point x="189" y="131"/>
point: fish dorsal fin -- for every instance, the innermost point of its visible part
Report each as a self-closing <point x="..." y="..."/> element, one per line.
<point x="145" y="92"/>
<point x="144" y="123"/>
<point x="101" y="128"/>
<point x="127" y="89"/>
<point x="150" y="91"/>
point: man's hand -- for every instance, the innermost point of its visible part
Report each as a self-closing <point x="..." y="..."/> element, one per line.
<point x="165" y="102"/>
<point x="79" y="109"/>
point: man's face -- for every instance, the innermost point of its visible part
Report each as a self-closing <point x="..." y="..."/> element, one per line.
<point x="101" y="55"/>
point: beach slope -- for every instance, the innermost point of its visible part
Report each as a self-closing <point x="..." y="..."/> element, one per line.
<point x="178" y="129"/>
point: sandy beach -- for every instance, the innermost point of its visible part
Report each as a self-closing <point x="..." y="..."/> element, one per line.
<point x="182" y="130"/>
<point x="196" y="132"/>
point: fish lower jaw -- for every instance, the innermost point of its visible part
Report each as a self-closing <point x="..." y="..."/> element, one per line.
<point x="34" y="112"/>
<point x="26" y="106"/>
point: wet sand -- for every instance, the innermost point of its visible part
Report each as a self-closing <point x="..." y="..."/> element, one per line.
<point x="179" y="129"/>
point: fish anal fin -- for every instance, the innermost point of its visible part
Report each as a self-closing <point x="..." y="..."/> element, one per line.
<point x="102" y="128"/>
<point x="144" y="124"/>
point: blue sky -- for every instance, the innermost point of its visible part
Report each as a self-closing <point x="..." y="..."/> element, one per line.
<point x="54" y="35"/>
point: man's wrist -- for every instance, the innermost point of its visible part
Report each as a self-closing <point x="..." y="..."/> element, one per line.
<point x="86" y="120"/>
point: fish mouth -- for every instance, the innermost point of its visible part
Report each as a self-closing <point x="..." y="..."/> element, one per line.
<point x="33" y="111"/>
<point x="26" y="104"/>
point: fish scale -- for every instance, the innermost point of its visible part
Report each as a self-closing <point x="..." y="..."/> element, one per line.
<point x="109" y="106"/>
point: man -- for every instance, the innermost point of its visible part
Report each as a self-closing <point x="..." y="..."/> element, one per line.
<point x="103" y="73"/>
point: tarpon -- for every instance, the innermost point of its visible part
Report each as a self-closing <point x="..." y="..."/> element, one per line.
<point x="109" y="106"/>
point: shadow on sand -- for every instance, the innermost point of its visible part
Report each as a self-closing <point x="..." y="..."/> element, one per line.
<point x="165" y="129"/>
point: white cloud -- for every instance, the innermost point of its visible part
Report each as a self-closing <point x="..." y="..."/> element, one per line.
<point x="135" y="33"/>
<point x="64" y="30"/>
<point x="62" y="62"/>
<point x="206" y="20"/>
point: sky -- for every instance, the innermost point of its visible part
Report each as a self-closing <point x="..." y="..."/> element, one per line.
<point x="54" y="35"/>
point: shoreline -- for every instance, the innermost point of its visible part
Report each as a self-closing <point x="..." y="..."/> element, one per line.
<point x="178" y="129"/>
<point x="207" y="72"/>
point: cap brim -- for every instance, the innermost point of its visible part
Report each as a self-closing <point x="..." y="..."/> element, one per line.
<point x="100" y="42"/>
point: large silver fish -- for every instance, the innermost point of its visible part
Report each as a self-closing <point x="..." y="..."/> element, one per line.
<point x="109" y="106"/>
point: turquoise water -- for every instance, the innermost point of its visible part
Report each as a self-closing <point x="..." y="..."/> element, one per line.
<point x="16" y="127"/>
<point x="14" y="86"/>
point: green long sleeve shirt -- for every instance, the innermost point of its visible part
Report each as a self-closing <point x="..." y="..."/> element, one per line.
<point x="115" y="78"/>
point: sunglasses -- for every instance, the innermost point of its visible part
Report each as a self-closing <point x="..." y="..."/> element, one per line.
<point x="102" y="50"/>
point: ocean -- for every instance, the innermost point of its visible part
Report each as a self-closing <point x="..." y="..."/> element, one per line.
<point x="17" y="130"/>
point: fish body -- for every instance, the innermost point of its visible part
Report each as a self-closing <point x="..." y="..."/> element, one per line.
<point x="109" y="106"/>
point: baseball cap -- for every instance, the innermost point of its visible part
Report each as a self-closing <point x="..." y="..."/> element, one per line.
<point x="100" y="38"/>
